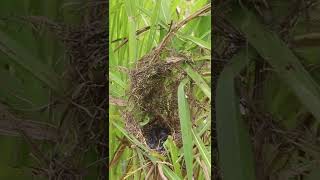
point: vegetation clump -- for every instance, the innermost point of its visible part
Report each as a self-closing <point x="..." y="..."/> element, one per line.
<point x="85" y="98"/>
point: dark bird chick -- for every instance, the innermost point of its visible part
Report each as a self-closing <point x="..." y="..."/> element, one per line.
<point x="157" y="137"/>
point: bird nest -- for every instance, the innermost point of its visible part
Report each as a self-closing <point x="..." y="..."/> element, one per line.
<point x="153" y="100"/>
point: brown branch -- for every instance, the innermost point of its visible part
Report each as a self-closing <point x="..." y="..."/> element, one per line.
<point x="176" y="27"/>
<point x="125" y="40"/>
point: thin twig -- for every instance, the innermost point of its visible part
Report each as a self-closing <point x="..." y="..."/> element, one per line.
<point x="176" y="27"/>
<point x="125" y="40"/>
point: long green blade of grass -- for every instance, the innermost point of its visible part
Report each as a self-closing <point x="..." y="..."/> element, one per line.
<point x="135" y="165"/>
<point x="185" y="123"/>
<point x="165" y="10"/>
<point x="199" y="80"/>
<point x="174" y="154"/>
<point x="169" y="173"/>
<point x="206" y="126"/>
<point x="131" y="12"/>
<point x="199" y="42"/>
<point x="129" y="136"/>
<point x="142" y="161"/>
<point x="236" y="158"/>
<point x="154" y="25"/>
<point x="281" y="58"/>
<point x="206" y="156"/>
<point x="116" y="79"/>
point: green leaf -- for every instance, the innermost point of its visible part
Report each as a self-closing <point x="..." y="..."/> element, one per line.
<point x="154" y="25"/>
<point x="142" y="161"/>
<point x="165" y="11"/>
<point x="174" y="154"/>
<point x="168" y="172"/>
<point x="205" y="126"/>
<point x="280" y="57"/>
<point x="206" y="156"/>
<point x="117" y="80"/>
<point x="199" y="42"/>
<point x="236" y="157"/>
<point x="129" y="136"/>
<point x="199" y="80"/>
<point x="131" y="12"/>
<point x="185" y="123"/>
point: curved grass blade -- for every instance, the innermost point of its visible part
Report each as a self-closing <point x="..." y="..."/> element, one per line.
<point x="142" y="161"/>
<point x="131" y="12"/>
<point x="131" y="138"/>
<point x="198" y="41"/>
<point x="168" y="172"/>
<point x="154" y="24"/>
<point x="185" y="123"/>
<point x="206" y="125"/>
<point x="236" y="158"/>
<point x="116" y="79"/>
<point x="206" y="156"/>
<point x="198" y="79"/>
<point x="174" y="154"/>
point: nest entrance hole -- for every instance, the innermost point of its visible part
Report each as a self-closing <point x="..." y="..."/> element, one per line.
<point x="156" y="133"/>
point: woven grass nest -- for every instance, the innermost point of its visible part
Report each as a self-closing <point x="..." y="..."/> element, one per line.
<point x="153" y="96"/>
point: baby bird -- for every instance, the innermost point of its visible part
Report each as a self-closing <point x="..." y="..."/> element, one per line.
<point x="157" y="137"/>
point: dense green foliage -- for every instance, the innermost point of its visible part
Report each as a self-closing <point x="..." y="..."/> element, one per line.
<point x="34" y="102"/>
<point x="273" y="78"/>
